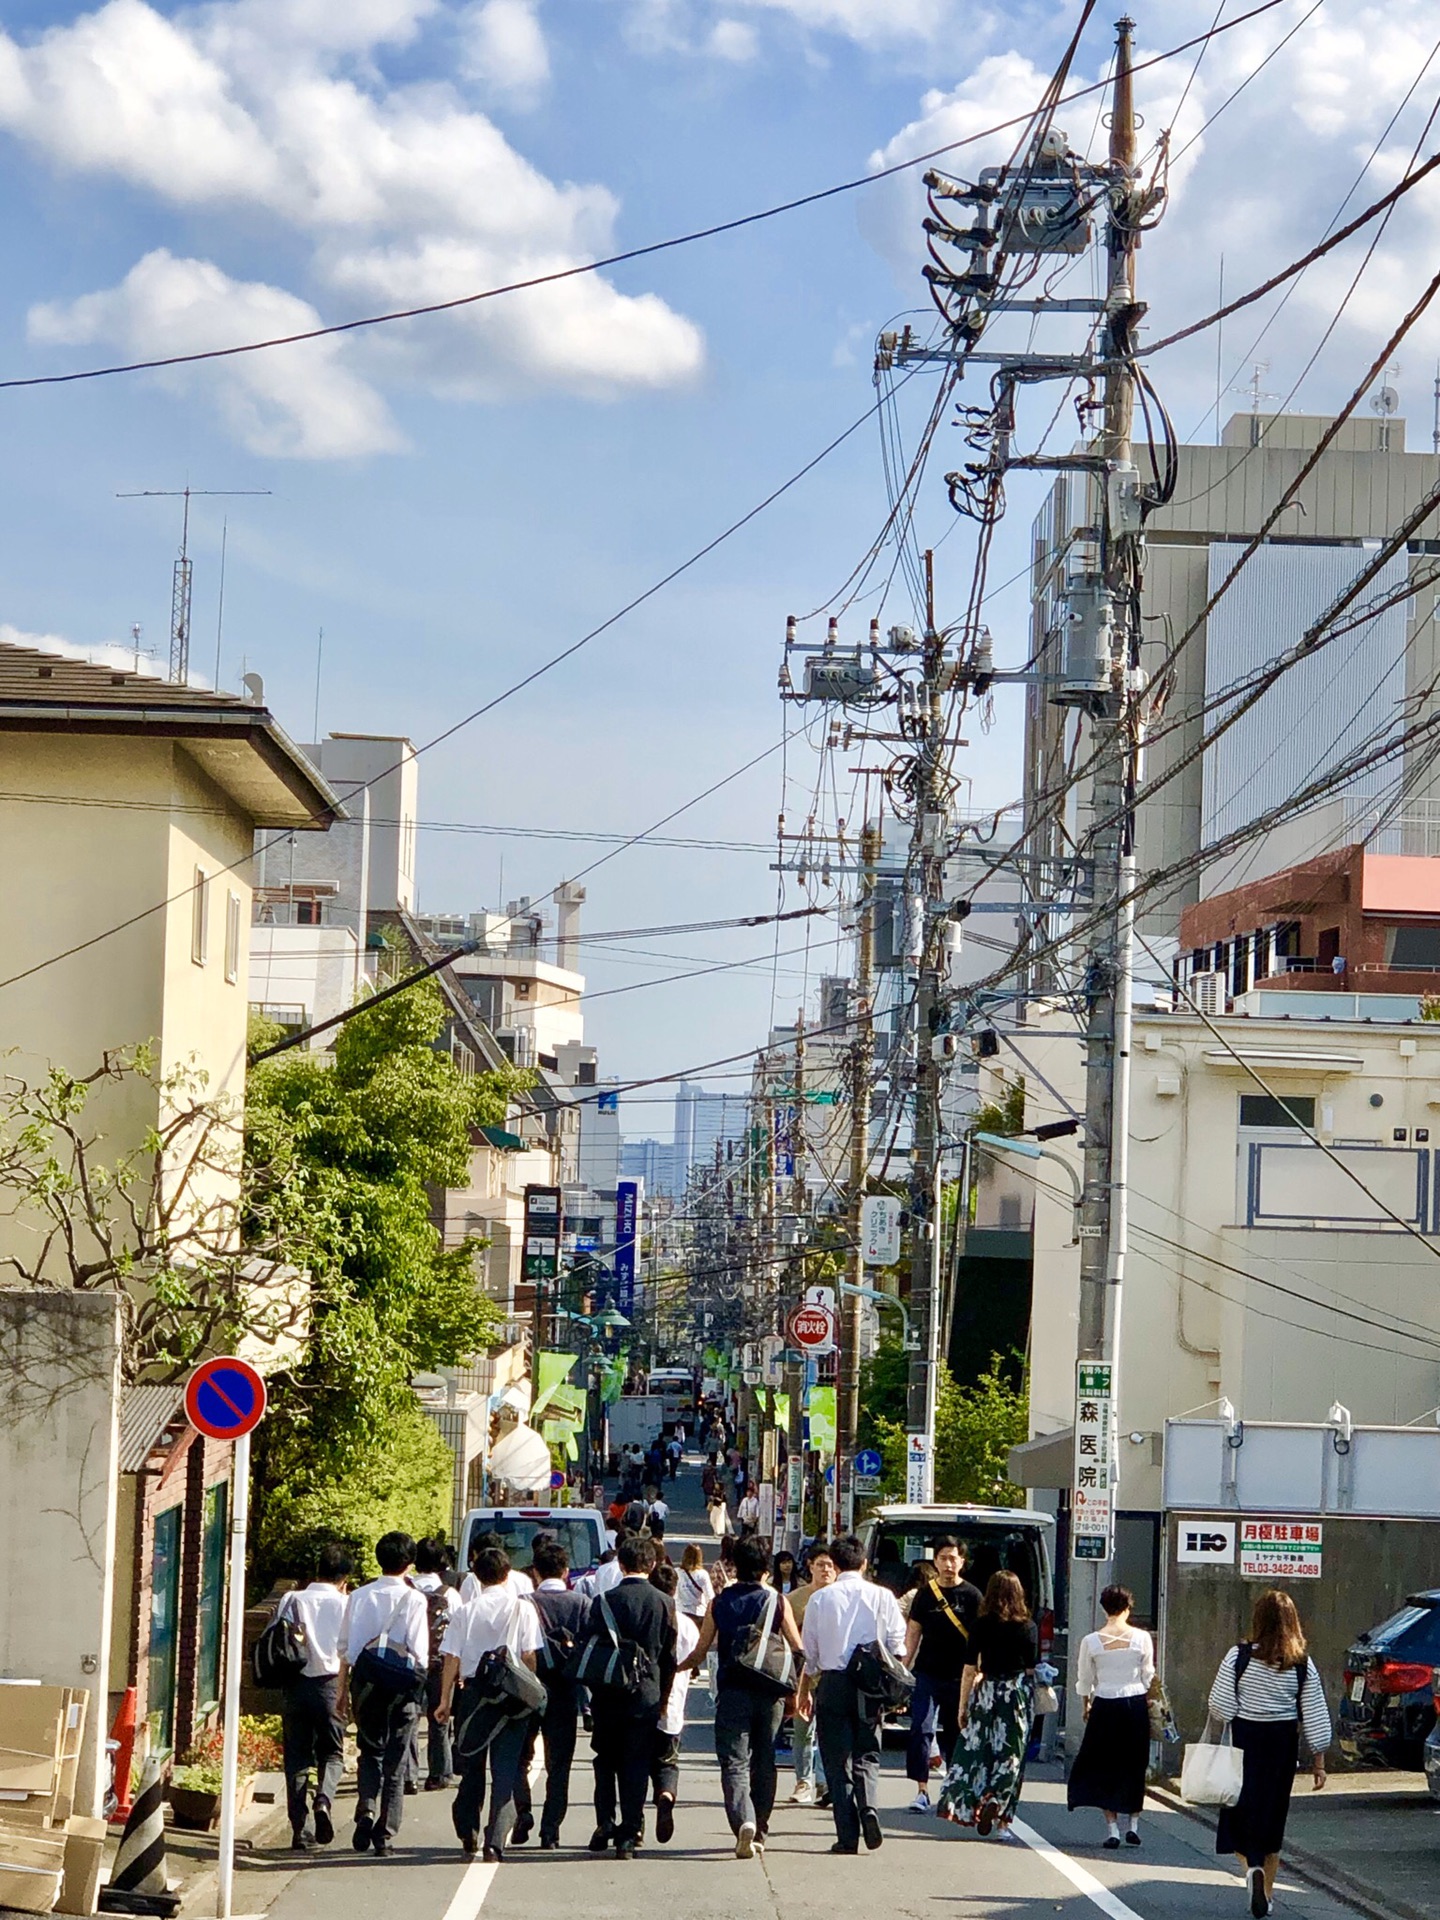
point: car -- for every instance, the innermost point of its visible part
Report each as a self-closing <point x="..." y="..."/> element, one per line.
<point x="580" y="1530"/>
<point x="1432" y="1748"/>
<point x="1387" y="1710"/>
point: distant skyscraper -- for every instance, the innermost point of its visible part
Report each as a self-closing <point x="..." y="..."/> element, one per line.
<point x="701" y="1120"/>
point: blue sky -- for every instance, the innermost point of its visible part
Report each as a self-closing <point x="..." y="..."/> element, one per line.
<point x="455" y="500"/>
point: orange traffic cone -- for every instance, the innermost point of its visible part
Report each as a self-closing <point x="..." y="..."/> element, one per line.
<point x="122" y="1735"/>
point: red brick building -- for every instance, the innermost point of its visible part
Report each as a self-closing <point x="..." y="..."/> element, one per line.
<point x="1351" y="921"/>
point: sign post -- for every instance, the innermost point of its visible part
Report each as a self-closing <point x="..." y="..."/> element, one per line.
<point x="1092" y="1497"/>
<point x="226" y="1399"/>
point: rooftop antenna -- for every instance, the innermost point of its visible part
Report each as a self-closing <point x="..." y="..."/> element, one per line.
<point x="1257" y="394"/>
<point x="220" y="609"/>
<point x="1385" y="404"/>
<point x="136" y="629"/>
<point x="180" y="583"/>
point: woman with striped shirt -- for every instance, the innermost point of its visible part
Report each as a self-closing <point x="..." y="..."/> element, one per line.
<point x="1266" y="1689"/>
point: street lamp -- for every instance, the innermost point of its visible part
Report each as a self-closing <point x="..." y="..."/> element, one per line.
<point x="883" y="1300"/>
<point x="1029" y="1150"/>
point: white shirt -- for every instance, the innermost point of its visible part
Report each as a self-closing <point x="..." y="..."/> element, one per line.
<point x="748" y="1511"/>
<point x="1116" y="1665"/>
<point x="660" y="1509"/>
<point x="391" y="1606"/>
<point x="520" y="1584"/>
<point x="494" y="1618"/>
<point x="848" y="1614"/>
<point x="320" y="1610"/>
<point x="1273" y="1693"/>
<point x="601" y="1581"/>
<point x="694" y="1593"/>
<point x="672" y="1720"/>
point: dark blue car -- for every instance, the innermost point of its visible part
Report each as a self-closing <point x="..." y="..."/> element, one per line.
<point x="1388" y="1706"/>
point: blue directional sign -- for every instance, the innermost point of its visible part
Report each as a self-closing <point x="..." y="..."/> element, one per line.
<point x="225" y="1398"/>
<point x="868" y="1464"/>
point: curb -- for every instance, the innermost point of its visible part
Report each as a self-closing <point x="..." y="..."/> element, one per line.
<point x="198" y="1896"/>
<point x="1318" y="1874"/>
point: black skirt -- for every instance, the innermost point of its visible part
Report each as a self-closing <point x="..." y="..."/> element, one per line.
<point x="1255" y="1826"/>
<point x="1109" y="1770"/>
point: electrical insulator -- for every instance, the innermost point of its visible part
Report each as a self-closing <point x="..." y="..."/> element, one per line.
<point x="790" y="630"/>
<point x="874" y="636"/>
<point x="832" y="633"/>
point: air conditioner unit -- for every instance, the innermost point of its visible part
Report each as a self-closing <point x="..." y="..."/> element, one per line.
<point x="1207" y="991"/>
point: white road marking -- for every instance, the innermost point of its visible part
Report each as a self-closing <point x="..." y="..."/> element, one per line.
<point x="1084" y="1881"/>
<point x="471" y="1892"/>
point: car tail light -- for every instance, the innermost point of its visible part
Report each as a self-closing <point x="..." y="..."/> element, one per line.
<point x="1046" y="1624"/>
<point x="1399" y="1676"/>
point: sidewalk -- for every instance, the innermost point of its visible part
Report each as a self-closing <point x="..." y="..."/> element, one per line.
<point x="1371" y="1838"/>
<point x="190" y="1858"/>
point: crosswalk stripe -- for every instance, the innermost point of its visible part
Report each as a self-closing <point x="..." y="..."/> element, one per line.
<point x="1078" y="1876"/>
<point x="470" y="1894"/>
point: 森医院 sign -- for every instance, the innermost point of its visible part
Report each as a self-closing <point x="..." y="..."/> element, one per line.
<point x="1202" y="1542"/>
<point x="1092" y="1491"/>
<point x="1281" y="1549"/>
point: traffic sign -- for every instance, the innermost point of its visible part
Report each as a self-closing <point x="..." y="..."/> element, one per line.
<point x="869" y="1464"/>
<point x="225" y="1398"/>
<point x="812" y="1328"/>
<point x="880" y="1229"/>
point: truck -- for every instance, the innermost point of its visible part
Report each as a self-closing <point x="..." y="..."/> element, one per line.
<point x="636" y="1418"/>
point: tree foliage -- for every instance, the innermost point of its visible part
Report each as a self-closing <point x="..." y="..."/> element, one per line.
<point x="975" y="1427"/>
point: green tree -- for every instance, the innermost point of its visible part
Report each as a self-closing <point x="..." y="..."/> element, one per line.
<point x="975" y="1427"/>
<point x="339" y="1161"/>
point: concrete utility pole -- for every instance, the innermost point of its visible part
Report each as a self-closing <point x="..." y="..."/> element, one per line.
<point x="1108" y="976"/>
<point x="795" y="1373"/>
<point x="927" y="857"/>
<point x="862" y="1064"/>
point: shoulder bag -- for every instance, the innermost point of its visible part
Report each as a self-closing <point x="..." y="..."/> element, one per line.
<point x="611" y="1662"/>
<point x="1212" y="1773"/>
<point x="762" y="1655"/>
<point x="880" y="1679"/>
<point x="278" y="1657"/>
<point x="384" y="1669"/>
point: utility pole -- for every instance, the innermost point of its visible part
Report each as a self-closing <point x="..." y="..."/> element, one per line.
<point x="1108" y="973"/>
<point x="795" y="1371"/>
<point x="927" y="856"/>
<point x="862" y="1059"/>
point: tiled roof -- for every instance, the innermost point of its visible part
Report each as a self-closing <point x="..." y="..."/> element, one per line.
<point x="28" y="674"/>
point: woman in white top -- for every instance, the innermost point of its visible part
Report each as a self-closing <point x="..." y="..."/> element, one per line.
<point x="696" y="1589"/>
<point x="1113" y="1675"/>
<point x="1267" y="1688"/>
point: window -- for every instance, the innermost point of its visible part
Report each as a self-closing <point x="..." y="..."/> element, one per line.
<point x="200" y="918"/>
<point x="1263" y="1110"/>
<point x="232" y="937"/>
<point x="1416" y="945"/>
<point x="164" y="1626"/>
<point x="212" y="1592"/>
<point x="308" y="913"/>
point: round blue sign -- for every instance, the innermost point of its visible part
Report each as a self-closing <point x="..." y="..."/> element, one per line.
<point x="225" y="1398"/>
<point x="557" y="1480"/>
<point x="869" y="1464"/>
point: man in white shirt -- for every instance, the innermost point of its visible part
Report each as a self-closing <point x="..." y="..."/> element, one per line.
<point x="312" y="1731"/>
<point x="385" y="1632"/>
<point x="441" y="1600"/>
<point x="851" y="1613"/>
<point x="495" y="1618"/>
<point x="665" y="1768"/>
<point x="520" y="1584"/>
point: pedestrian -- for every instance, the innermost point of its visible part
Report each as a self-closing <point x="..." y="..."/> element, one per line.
<point x="942" y="1614"/>
<point x="1265" y="1689"/>
<point x="696" y="1589"/>
<point x="674" y="1450"/>
<point x="748" y="1711"/>
<point x="441" y="1600"/>
<point x="717" y="1512"/>
<point x="520" y="1584"/>
<point x="709" y="1481"/>
<point x="658" y="1507"/>
<point x="625" y="1720"/>
<point x="384" y="1654"/>
<point x="607" y="1573"/>
<point x="805" y="1751"/>
<point x="784" y="1574"/>
<point x="665" y="1767"/>
<point x="311" y="1729"/>
<point x="851" y="1612"/>
<point x="564" y="1621"/>
<point x="487" y="1737"/>
<point x="1113" y="1675"/>
<point x="996" y="1709"/>
<point x="714" y="1441"/>
<point x="747" y="1512"/>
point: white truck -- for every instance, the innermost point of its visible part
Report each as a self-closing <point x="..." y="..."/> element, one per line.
<point x="636" y="1418"/>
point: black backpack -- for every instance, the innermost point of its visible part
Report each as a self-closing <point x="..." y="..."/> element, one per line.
<point x="439" y="1610"/>
<point x="278" y="1657"/>
<point x="559" y="1648"/>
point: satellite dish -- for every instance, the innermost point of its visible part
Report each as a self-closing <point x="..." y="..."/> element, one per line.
<point x="1385" y="401"/>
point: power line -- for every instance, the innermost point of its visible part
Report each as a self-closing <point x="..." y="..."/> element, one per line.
<point x="615" y="259"/>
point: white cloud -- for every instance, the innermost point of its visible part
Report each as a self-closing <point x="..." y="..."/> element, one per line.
<point x="402" y="194"/>
<point x="503" y="47"/>
<point x="733" y="40"/>
<point x="297" y="403"/>
<point x="107" y="653"/>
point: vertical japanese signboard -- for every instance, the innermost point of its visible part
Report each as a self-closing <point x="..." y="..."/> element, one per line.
<point x="1092" y="1494"/>
<point x="627" y="1226"/>
<point x="542" y="1233"/>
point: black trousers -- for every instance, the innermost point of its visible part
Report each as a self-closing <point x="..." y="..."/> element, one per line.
<point x="314" y="1742"/>
<point x="623" y="1743"/>
<point x="850" y="1748"/>
<point x="488" y="1748"/>
<point x="665" y="1765"/>
<point x="556" y="1730"/>
<point x="385" y="1725"/>
<point x="746" y="1723"/>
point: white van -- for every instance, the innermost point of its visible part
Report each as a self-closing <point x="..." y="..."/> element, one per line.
<point x="1013" y="1538"/>
<point x="580" y="1530"/>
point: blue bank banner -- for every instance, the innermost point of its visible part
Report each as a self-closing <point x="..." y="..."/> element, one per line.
<point x="627" y="1226"/>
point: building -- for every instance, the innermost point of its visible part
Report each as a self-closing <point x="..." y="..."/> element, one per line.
<point x="656" y="1163"/>
<point x="1351" y="692"/>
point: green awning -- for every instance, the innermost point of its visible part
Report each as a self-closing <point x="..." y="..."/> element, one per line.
<point x="506" y="1142"/>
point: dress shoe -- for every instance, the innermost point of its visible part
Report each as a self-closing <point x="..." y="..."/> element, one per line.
<point x="665" y="1820"/>
<point x="302" y="1843"/>
<point x="600" y="1839"/>
<point x="548" y="1843"/>
<point x="469" y="1845"/>
<point x="381" y="1847"/>
<point x="870" y="1827"/>
<point x="624" y="1849"/>
<point x="1111" y="1843"/>
<point x="324" y="1825"/>
<point x="492" y="1855"/>
<point x="840" y="1847"/>
<point x="521" y="1832"/>
<point x="364" y="1832"/>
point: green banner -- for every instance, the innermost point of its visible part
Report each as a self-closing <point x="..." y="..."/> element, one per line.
<point x="782" y="1412"/>
<point x="614" y="1380"/>
<point x="566" y="1406"/>
<point x="822" y="1419"/>
<point x="551" y="1369"/>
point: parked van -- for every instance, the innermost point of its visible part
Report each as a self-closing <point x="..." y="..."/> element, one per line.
<point x="1012" y="1538"/>
<point x="580" y="1530"/>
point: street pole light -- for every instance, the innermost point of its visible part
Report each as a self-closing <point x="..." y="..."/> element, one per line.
<point x="1031" y="1150"/>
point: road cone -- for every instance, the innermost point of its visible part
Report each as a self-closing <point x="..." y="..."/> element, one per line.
<point x="138" y="1880"/>
<point x="122" y="1735"/>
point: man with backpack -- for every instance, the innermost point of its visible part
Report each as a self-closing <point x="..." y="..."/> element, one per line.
<point x="384" y="1654"/>
<point x="441" y="1600"/>
<point x="491" y="1733"/>
<point x="628" y="1662"/>
<point x="300" y="1651"/>
<point x="744" y="1618"/>
<point x="564" y="1622"/>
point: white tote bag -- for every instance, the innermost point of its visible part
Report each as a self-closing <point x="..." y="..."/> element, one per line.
<point x="1211" y="1773"/>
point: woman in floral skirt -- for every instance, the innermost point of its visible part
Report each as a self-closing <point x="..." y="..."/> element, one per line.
<point x="996" y="1709"/>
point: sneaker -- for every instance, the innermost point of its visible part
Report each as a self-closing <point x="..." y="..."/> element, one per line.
<point x="745" y="1841"/>
<point x="920" y="1804"/>
<point x="1259" y="1899"/>
<point x="803" y="1796"/>
<point x="324" y="1825"/>
<point x="870" y="1827"/>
